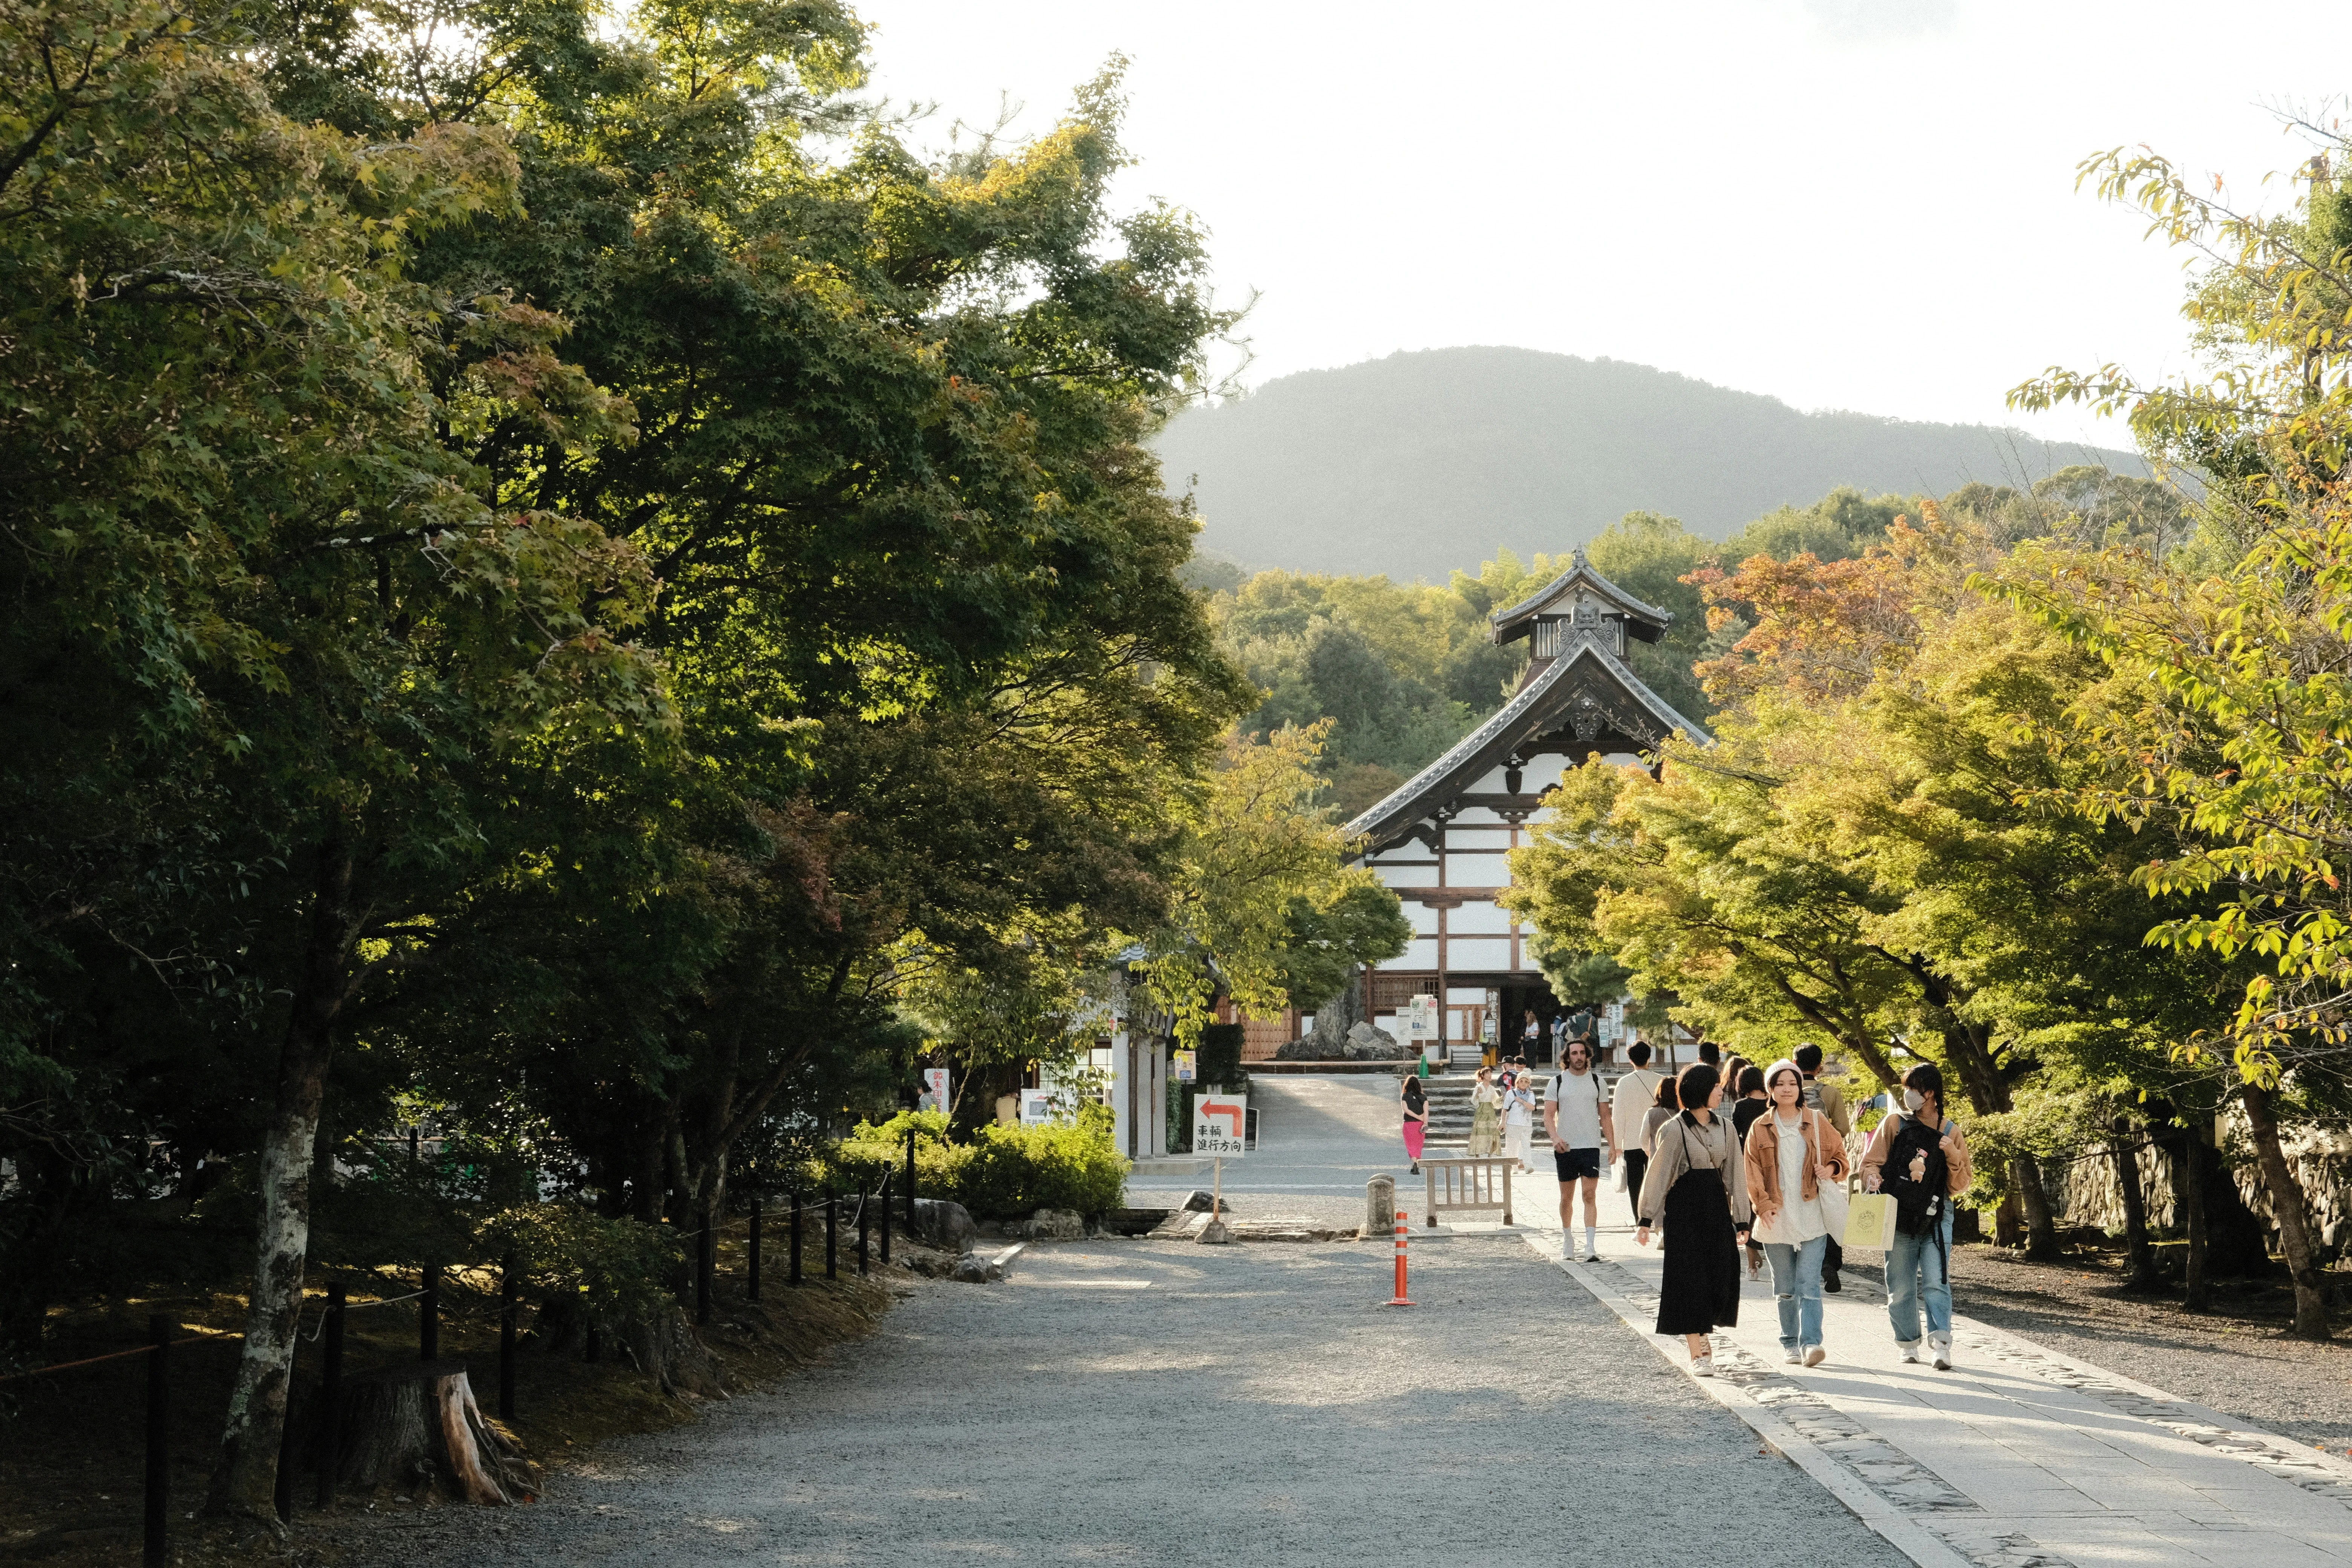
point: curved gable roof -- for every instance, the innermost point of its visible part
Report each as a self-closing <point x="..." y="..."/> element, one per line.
<point x="1643" y="620"/>
<point x="1539" y="707"/>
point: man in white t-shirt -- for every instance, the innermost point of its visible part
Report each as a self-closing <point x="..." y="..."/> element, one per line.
<point x="1583" y="1145"/>
<point x="1637" y="1091"/>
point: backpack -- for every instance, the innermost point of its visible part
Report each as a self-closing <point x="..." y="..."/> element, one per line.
<point x="1918" y="1205"/>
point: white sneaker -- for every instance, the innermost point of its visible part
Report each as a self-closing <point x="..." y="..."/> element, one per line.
<point x="1943" y="1354"/>
<point x="1792" y="1357"/>
<point x="1592" y="1257"/>
<point x="1910" y="1352"/>
<point x="1703" y="1366"/>
<point x="1815" y="1356"/>
<point x="1567" y="1250"/>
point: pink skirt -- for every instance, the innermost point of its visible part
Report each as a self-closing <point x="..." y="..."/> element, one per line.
<point x="1413" y="1133"/>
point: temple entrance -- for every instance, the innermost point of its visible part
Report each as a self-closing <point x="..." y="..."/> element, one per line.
<point x="1521" y="994"/>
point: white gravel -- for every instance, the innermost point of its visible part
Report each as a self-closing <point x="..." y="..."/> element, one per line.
<point x="1156" y="1403"/>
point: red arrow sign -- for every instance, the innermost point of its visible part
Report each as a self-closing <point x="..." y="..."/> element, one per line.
<point x="1211" y="1111"/>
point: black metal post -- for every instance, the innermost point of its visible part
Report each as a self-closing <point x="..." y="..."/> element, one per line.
<point x="506" y="1340"/>
<point x="706" y="1247"/>
<point x="331" y="1396"/>
<point x="883" y="1215"/>
<point x="594" y="1351"/>
<point x="415" y="1140"/>
<point x="832" y="1232"/>
<point x="911" y="1181"/>
<point x="159" y="1436"/>
<point x="751" y="1279"/>
<point x="864" y="1221"/>
<point x="793" y="1244"/>
<point x="428" y="1316"/>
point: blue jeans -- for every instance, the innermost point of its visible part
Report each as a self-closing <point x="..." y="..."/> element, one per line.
<point x="1797" y="1280"/>
<point x="1918" y="1266"/>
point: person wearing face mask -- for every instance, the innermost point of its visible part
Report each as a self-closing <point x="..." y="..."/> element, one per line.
<point x="1793" y="1154"/>
<point x="1918" y="1157"/>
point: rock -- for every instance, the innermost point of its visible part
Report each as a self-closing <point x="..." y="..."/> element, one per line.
<point x="944" y="1225"/>
<point x="972" y="1268"/>
<point x="1057" y="1224"/>
<point x="1368" y="1044"/>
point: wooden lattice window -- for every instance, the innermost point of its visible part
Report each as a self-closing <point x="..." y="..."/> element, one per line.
<point x="1388" y="991"/>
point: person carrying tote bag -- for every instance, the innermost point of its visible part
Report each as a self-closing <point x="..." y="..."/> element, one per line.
<point x="1796" y="1168"/>
<point x="1695" y="1184"/>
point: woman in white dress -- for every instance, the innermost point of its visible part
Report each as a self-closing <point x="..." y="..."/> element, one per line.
<point x="1519" y="1116"/>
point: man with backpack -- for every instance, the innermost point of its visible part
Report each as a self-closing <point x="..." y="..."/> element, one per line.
<point x="1578" y="1117"/>
<point x="1830" y="1100"/>
<point x="1919" y="1159"/>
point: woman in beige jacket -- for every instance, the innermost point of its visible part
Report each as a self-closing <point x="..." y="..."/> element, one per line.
<point x="1792" y="1153"/>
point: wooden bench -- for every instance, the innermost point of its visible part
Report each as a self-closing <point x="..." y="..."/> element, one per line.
<point x="1468" y="1186"/>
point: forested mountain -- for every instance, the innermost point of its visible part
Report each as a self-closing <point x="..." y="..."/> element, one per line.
<point x="1414" y="464"/>
<point x="1404" y="670"/>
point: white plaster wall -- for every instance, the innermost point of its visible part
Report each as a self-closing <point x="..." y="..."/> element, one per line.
<point x="1479" y="918"/>
<point x="1478" y="952"/>
<point x="1421" y="875"/>
<point x="1477" y="871"/>
<point x="1421" y="917"/>
<point x="1478" y="817"/>
<point x="1458" y="837"/>
<point x="1419" y="953"/>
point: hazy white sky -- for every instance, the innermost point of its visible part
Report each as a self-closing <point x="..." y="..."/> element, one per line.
<point x="1846" y="204"/>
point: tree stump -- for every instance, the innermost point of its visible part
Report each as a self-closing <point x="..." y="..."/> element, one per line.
<point x="417" y="1426"/>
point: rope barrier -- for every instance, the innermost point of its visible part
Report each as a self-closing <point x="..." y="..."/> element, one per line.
<point x="119" y="1355"/>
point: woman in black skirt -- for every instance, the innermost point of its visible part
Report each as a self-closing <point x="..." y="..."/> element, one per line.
<point x="1697" y="1186"/>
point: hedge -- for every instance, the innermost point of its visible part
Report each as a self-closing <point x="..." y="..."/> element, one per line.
<point x="1007" y="1173"/>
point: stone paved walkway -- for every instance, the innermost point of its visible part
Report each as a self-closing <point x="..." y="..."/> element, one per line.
<point x="2017" y="1458"/>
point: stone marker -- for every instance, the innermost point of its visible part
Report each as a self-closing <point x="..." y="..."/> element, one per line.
<point x="1379" y="1209"/>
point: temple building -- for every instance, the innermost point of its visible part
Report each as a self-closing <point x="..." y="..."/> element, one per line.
<point x="1443" y="840"/>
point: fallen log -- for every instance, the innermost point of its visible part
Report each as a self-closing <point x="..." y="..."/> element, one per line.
<point x="416" y="1426"/>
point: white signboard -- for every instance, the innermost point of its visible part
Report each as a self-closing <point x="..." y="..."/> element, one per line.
<point x="1218" y="1121"/>
<point x="935" y="1088"/>
<point x="1421" y="1018"/>
<point x="1187" y="1065"/>
<point x="1037" y="1107"/>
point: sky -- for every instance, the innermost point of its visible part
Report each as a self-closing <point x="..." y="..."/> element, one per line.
<point x="1866" y="204"/>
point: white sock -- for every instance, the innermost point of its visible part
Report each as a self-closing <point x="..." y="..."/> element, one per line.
<point x="1590" y="1248"/>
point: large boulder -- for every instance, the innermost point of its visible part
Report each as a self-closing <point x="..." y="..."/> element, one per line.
<point x="972" y="1268"/>
<point x="1368" y="1044"/>
<point x="1057" y="1224"/>
<point x="944" y="1225"/>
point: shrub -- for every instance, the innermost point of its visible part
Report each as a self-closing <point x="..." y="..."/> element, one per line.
<point x="1006" y="1173"/>
<point x="608" y="1271"/>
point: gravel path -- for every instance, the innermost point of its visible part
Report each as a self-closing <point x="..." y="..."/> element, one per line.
<point x="1152" y="1403"/>
<point x="2240" y="1361"/>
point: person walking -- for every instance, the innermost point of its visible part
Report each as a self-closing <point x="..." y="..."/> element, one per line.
<point x="1486" y="1115"/>
<point x="1530" y="1034"/>
<point x="1748" y="1084"/>
<point x="1791" y="1155"/>
<point x="1696" y="1184"/>
<point x="1519" y="1115"/>
<point x="1830" y="1100"/>
<point x="1918" y="1158"/>
<point x="1663" y="1109"/>
<point x="1628" y="1106"/>
<point x="1583" y="1145"/>
<point x="1416" y="1117"/>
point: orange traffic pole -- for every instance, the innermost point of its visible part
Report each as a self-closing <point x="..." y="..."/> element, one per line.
<point x="1400" y="1298"/>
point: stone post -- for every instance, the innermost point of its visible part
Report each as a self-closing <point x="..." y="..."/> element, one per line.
<point x="1379" y="1209"/>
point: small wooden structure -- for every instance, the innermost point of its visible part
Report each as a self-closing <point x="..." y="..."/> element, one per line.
<point x="1468" y="1186"/>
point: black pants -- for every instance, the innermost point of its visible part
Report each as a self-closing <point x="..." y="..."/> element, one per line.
<point x="1637" y="1165"/>
<point x="1832" y="1257"/>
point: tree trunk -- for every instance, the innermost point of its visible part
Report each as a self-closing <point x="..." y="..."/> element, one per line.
<point x="417" y="1426"/>
<point x="245" y="1477"/>
<point x="2190" y="1190"/>
<point x="2294" y="1218"/>
<point x="2141" y="1251"/>
<point x="2008" y="1229"/>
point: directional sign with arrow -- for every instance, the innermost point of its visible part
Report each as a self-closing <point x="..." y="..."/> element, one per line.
<point x="1218" y="1120"/>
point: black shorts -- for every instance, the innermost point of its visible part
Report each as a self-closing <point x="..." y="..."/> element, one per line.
<point x="1575" y="1163"/>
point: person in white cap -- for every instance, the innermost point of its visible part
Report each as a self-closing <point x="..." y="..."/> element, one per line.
<point x="1793" y="1154"/>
